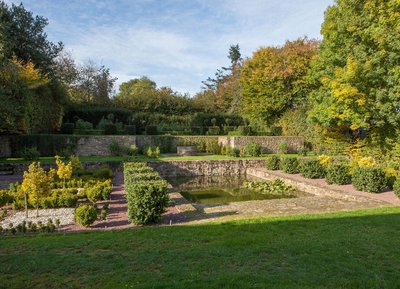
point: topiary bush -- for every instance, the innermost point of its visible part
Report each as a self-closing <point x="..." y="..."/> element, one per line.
<point x="85" y="215"/>
<point x="396" y="187"/>
<point x="272" y="163"/>
<point x="147" y="194"/>
<point x="289" y="165"/>
<point x="367" y="179"/>
<point x="252" y="149"/>
<point x="311" y="169"/>
<point x="93" y="194"/>
<point x="30" y="154"/>
<point x="338" y="174"/>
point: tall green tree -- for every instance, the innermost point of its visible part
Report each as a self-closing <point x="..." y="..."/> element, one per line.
<point x="275" y="80"/>
<point x="357" y="72"/>
<point x="31" y="97"/>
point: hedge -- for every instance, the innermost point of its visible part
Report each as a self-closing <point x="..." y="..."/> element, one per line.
<point x="147" y="194"/>
<point x="338" y="174"/>
<point x="311" y="169"/>
<point x="289" y="165"/>
<point x="367" y="179"/>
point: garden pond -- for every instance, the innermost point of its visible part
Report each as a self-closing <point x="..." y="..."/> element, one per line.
<point x="226" y="189"/>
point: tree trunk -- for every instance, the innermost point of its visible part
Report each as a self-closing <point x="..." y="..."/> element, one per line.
<point x="37" y="208"/>
<point x="26" y="206"/>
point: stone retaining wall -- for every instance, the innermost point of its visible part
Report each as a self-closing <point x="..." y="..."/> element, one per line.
<point x="99" y="145"/>
<point x="204" y="168"/>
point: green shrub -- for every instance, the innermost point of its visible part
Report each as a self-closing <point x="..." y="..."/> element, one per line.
<point x="367" y="179"/>
<point x="5" y="198"/>
<point x="30" y="154"/>
<point x="235" y="152"/>
<point x="151" y="130"/>
<point x="311" y="169"/>
<point x="84" y="125"/>
<point x="147" y="194"/>
<point x="67" y="128"/>
<point x="130" y="129"/>
<point x="93" y="194"/>
<point x="270" y="187"/>
<point x="114" y="148"/>
<point x="396" y="187"/>
<point x="289" y="165"/>
<point x="252" y="149"/>
<point x="283" y="147"/>
<point x="338" y="174"/>
<point x="66" y="199"/>
<point x="272" y="163"/>
<point x="110" y="129"/>
<point x="85" y="215"/>
<point x="244" y="130"/>
<point x="103" y="173"/>
<point x="48" y="202"/>
<point x="147" y="201"/>
<point x="303" y="151"/>
<point x="214" y="130"/>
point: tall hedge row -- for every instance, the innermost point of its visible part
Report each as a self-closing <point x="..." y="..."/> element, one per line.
<point x="147" y="194"/>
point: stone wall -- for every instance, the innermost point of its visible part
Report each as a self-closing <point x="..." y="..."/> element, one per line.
<point x="204" y="168"/>
<point x="269" y="144"/>
<point x="5" y="148"/>
<point x="99" y="145"/>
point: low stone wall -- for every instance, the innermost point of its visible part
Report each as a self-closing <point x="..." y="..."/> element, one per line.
<point x="204" y="168"/>
<point x="99" y="145"/>
<point x="269" y="144"/>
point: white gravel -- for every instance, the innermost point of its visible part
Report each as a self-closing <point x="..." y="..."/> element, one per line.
<point x="66" y="216"/>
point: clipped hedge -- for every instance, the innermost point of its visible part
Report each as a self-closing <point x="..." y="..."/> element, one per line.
<point x="338" y="174"/>
<point x="289" y="165"/>
<point x="147" y="194"/>
<point x="311" y="169"/>
<point x="396" y="187"/>
<point x="367" y="179"/>
<point x="272" y="163"/>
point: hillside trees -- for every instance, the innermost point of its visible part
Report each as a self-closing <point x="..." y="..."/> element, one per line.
<point x="357" y="72"/>
<point x="274" y="80"/>
<point x="30" y="94"/>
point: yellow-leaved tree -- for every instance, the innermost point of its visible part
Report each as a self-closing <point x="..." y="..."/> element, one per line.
<point x="64" y="171"/>
<point x="36" y="184"/>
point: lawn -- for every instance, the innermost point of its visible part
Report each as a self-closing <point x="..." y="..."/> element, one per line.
<point x="338" y="250"/>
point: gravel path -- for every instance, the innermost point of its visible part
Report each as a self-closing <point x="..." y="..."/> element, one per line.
<point x="66" y="216"/>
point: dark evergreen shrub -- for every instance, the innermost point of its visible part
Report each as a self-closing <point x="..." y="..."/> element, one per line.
<point x="151" y="130"/>
<point x="311" y="169"/>
<point x="130" y="129"/>
<point x="289" y="165"/>
<point x="67" y="128"/>
<point x="371" y="180"/>
<point x="338" y="174"/>
<point x="272" y="163"/>
<point x="110" y="129"/>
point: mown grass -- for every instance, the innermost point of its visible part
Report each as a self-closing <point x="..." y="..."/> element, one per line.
<point x="340" y="250"/>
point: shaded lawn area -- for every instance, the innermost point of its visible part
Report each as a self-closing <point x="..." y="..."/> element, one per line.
<point x="340" y="250"/>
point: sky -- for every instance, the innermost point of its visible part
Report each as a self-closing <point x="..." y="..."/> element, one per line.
<point x="176" y="43"/>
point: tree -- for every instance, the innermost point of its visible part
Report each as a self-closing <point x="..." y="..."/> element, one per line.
<point x="22" y="35"/>
<point x="30" y="95"/>
<point x="226" y="84"/>
<point x="64" y="171"/>
<point x="92" y="84"/>
<point x="357" y="72"/>
<point x="37" y="183"/>
<point x="274" y="79"/>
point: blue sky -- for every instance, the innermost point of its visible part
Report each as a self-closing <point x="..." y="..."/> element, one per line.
<point x="177" y="43"/>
